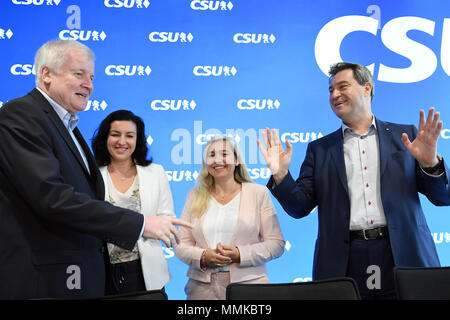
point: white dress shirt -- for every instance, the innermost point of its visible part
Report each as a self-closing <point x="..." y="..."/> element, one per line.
<point x="362" y="166"/>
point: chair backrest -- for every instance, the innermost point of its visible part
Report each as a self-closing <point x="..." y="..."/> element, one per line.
<point x="142" y="295"/>
<point x="422" y="283"/>
<point x="329" y="289"/>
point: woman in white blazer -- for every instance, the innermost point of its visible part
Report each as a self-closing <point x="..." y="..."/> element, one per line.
<point x="236" y="229"/>
<point x="134" y="182"/>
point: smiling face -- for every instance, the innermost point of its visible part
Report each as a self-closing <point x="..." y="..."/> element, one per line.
<point x="121" y="141"/>
<point x="221" y="160"/>
<point x="348" y="99"/>
<point x="71" y="86"/>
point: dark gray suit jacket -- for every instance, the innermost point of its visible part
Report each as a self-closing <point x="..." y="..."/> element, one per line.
<point x="53" y="220"/>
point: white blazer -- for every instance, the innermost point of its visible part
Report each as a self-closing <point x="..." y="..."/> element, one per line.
<point x="156" y="200"/>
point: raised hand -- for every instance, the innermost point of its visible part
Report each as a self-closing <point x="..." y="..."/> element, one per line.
<point x="163" y="228"/>
<point x="424" y="146"/>
<point x="276" y="158"/>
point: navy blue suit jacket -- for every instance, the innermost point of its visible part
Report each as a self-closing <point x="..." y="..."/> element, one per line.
<point x="52" y="215"/>
<point x="323" y="183"/>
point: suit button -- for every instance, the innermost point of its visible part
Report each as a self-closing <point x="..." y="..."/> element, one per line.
<point x="346" y="241"/>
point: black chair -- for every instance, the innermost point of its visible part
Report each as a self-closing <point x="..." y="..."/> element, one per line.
<point x="329" y="289"/>
<point x="422" y="283"/>
<point x="142" y="295"/>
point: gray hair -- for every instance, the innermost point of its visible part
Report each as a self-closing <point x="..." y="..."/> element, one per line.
<point x="53" y="55"/>
<point x="361" y="74"/>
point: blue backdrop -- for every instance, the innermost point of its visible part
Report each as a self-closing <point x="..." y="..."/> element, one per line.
<point x="194" y="68"/>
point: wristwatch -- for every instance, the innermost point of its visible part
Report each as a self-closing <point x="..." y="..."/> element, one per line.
<point x="432" y="170"/>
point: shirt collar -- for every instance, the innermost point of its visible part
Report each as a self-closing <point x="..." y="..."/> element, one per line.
<point x="70" y="121"/>
<point x="346" y="128"/>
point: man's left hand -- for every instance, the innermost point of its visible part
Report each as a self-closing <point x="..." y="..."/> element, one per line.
<point x="424" y="146"/>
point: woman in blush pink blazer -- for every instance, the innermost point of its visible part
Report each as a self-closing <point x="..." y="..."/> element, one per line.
<point x="236" y="229"/>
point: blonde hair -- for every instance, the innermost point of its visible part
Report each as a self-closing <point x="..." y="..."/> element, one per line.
<point x="205" y="182"/>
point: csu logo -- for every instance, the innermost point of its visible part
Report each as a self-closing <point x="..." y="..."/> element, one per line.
<point x="126" y="3"/>
<point x="217" y="71"/>
<point x="253" y="38"/>
<point x="302" y="137"/>
<point x="441" y="237"/>
<point x="174" y="105"/>
<point x="394" y="35"/>
<point x="302" y="279"/>
<point x="182" y="175"/>
<point x="258" y="104"/>
<point x="82" y="35"/>
<point x="259" y="173"/>
<point x="445" y="133"/>
<point x="5" y="34"/>
<point x="170" y="37"/>
<point x="96" y="105"/>
<point x="203" y="138"/>
<point x="211" y="5"/>
<point x="37" y="2"/>
<point x="126" y="70"/>
<point x="22" y="69"/>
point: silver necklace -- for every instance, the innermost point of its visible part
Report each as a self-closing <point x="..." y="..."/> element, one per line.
<point x="123" y="177"/>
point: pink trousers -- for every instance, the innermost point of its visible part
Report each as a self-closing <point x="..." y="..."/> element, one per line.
<point x="216" y="290"/>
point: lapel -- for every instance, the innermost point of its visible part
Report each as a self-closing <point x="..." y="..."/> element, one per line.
<point x="385" y="144"/>
<point x="53" y="116"/>
<point x="149" y="201"/>
<point x="336" y="148"/>
<point x="104" y="174"/>
<point x="246" y="201"/>
<point x="64" y="133"/>
<point x="93" y="168"/>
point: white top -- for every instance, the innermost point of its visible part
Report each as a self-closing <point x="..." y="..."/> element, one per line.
<point x="156" y="200"/>
<point x="362" y="166"/>
<point x="220" y="223"/>
<point x="128" y="200"/>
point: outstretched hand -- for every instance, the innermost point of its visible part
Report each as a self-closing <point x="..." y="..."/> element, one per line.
<point x="276" y="158"/>
<point x="163" y="228"/>
<point x="424" y="146"/>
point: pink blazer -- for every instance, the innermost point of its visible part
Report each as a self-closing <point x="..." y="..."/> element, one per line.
<point x="257" y="235"/>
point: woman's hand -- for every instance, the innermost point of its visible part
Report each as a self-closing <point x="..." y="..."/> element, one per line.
<point x="214" y="259"/>
<point x="229" y="251"/>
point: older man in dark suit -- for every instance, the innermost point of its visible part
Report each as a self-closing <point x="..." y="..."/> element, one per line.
<point x="53" y="220"/>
